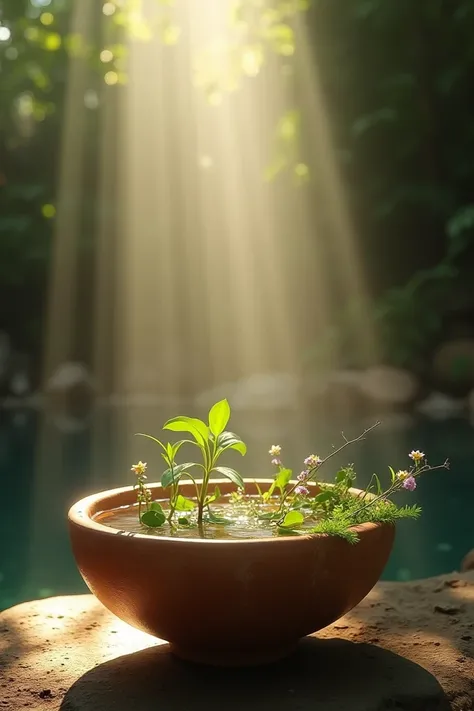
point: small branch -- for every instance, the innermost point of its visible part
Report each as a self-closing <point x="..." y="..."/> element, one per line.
<point x="393" y="489"/>
<point x="347" y="442"/>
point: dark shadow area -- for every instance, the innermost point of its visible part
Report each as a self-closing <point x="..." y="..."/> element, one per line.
<point x="323" y="675"/>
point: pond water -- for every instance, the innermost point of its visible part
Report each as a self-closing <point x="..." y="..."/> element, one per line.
<point x="49" y="460"/>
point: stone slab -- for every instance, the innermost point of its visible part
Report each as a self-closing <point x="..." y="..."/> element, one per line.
<point x="408" y="646"/>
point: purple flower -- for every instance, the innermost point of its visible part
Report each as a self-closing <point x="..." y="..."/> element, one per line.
<point x="312" y="461"/>
<point x="276" y="462"/>
<point x="302" y="490"/>
<point x="410" y="483"/>
<point x="303" y="476"/>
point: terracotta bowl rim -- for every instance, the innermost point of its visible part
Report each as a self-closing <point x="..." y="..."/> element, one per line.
<point x="79" y="514"/>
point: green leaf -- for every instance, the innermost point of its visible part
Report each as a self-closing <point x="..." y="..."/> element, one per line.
<point x="292" y="519"/>
<point x="271" y="516"/>
<point x="155" y="506"/>
<point x="232" y="475"/>
<point x="219" y="416"/>
<point x="378" y="485"/>
<point x="141" y="434"/>
<point x="323" y="497"/>
<point x="172" y="475"/>
<point x="341" y="476"/>
<point x="392" y="474"/>
<point x="184" y="504"/>
<point x="153" y="519"/>
<point x="212" y="518"/>
<point x="283" y="478"/>
<point x="284" y="531"/>
<point x="240" y="447"/>
<point x="216" y="495"/>
<point x="229" y="440"/>
<point x="197" y="428"/>
<point x="183" y="521"/>
<point x="270" y="491"/>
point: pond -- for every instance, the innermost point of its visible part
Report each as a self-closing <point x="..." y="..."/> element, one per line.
<point x="48" y="460"/>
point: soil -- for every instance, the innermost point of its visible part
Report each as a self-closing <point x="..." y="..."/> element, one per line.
<point x="408" y="646"/>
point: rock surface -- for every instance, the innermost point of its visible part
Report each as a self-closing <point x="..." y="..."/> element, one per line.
<point x="408" y="646"/>
<point x="389" y="387"/>
<point x="468" y="562"/>
<point x="440" y="406"/>
<point x="260" y="391"/>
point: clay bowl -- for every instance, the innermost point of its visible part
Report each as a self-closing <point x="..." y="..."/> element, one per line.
<point x="224" y="602"/>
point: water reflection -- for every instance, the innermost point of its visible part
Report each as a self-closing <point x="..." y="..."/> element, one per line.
<point x="49" y="460"/>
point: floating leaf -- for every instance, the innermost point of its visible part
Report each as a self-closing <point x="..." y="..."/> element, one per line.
<point x="183" y="521"/>
<point x="219" y="416"/>
<point x="284" y="531"/>
<point x="292" y="519"/>
<point x="232" y="475"/>
<point x="271" y="516"/>
<point x="184" y="504"/>
<point x="153" y="519"/>
<point x="155" y="506"/>
<point x="212" y="518"/>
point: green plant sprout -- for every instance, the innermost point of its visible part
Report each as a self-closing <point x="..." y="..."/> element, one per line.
<point x="288" y="506"/>
<point x="213" y="440"/>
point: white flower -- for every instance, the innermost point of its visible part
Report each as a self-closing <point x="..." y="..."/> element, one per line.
<point x="275" y="450"/>
<point x="139" y="469"/>
<point x="417" y="456"/>
<point x="402" y="475"/>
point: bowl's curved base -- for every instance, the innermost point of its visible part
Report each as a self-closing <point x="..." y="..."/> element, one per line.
<point x="251" y="657"/>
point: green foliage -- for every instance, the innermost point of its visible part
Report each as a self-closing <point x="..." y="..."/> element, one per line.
<point x="219" y="417"/>
<point x="345" y="516"/>
<point x="153" y="519"/>
<point x="231" y="474"/>
<point x="292" y="519"/>
<point x="303" y="507"/>
<point x="395" y="85"/>
<point x="337" y="526"/>
<point x="184" y="504"/>
<point x="213" y="440"/>
<point x="283" y="478"/>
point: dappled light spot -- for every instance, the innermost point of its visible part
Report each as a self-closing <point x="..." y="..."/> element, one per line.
<point x="111" y="78"/>
<point x="108" y="8"/>
<point x="106" y="56"/>
<point x="5" y="34"/>
<point x="47" y="18"/>
<point x="48" y="211"/>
